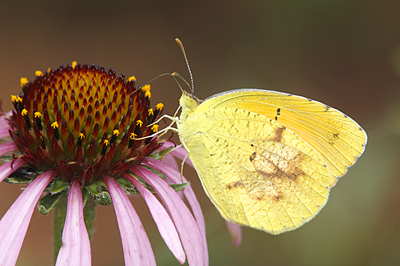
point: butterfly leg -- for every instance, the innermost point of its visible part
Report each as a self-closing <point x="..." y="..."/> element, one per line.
<point x="172" y="118"/>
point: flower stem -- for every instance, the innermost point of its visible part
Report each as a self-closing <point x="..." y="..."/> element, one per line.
<point x="90" y="214"/>
<point x="60" y="212"/>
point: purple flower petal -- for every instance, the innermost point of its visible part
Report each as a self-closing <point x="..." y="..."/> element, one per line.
<point x="188" y="230"/>
<point x="175" y="177"/>
<point x="7" y="147"/>
<point x="8" y="168"/>
<point x="75" y="249"/>
<point x="4" y="117"/>
<point x="136" y="244"/>
<point x="164" y="223"/>
<point x="4" y="122"/>
<point x="14" y="224"/>
<point x="171" y="160"/>
<point x="4" y="132"/>
<point x="236" y="233"/>
<point x="179" y="152"/>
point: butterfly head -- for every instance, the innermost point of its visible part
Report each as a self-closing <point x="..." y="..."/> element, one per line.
<point x="189" y="104"/>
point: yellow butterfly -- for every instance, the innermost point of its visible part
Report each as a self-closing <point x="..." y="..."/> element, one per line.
<point x="268" y="159"/>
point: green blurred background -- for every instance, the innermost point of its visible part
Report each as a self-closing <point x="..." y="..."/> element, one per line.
<point x="344" y="53"/>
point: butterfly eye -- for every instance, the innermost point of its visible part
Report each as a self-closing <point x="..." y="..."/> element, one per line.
<point x="190" y="103"/>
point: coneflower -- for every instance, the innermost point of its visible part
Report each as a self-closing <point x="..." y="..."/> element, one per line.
<point x="83" y="136"/>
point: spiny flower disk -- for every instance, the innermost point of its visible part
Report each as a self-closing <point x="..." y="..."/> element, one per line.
<point x="84" y="122"/>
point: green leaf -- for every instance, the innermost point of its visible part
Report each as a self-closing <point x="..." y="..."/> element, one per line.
<point x="100" y="193"/>
<point x="85" y="196"/>
<point x="22" y="175"/>
<point x="17" y="180"/>
<point x="159" y="155"/>
<point x="47" y="203"/>
<point x="7" y="158"/>
<point x="56" y="186"/>
<point x="127" y="186"/>
<point x="179" y="187"/>
<point x="176" y="187"/>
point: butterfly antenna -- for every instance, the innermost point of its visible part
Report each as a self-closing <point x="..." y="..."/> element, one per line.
<point x="176" y="75"/>
<point x="187" y="63"/>
<point x="159" y="76"/>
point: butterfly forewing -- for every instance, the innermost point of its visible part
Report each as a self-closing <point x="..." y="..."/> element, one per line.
<point x="337" y="138"/>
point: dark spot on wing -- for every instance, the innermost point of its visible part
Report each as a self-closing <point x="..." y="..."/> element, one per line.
<point x="335" y="137"/>
<point x="278" y="113"/>
<point x="237" y="184"/>
<point x="278" y="134"/>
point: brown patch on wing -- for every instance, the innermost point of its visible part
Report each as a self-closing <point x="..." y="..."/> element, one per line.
<point x="274" y="172"/>
<point x="335" y="137"/>
<point x="278" y="134"/>
<point x="237" y="184"/>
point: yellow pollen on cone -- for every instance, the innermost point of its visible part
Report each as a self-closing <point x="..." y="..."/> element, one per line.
<point x="159" y="106"/>
<point x="154" y="128"/>
<point x="23" y="81"/>
<point x="16" y="98"/>
<point x="146" y="87"/>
